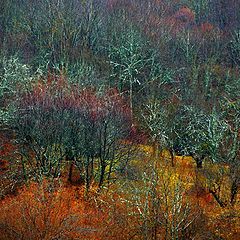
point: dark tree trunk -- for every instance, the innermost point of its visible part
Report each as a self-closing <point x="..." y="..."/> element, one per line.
<point x="110" y="171"/>
<point x="199" y="163"/>
<point x="70" y="172"/>
<point x="103" y="168"/>
<point x="172" y="158"/>
<point x="234" y="190"/>
<point x="92" y="169"/>
<point x="87" y="178"/>
<point x="69" y="157"/>
<point x="217" y="198"/>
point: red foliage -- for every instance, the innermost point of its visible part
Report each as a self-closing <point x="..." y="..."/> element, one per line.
<point x="184" y="15"/>
<point x="205" y="31"/>
<point x="202" y="196"/>
<point x="137" y="136"/>
<point x="206" y="27"/>
<point x="57" y="93"/>
<point x="183" y="18"/>
<point x="3" y="165"/>
<point x="6" y="151"/>
<point x="46" y="211"/>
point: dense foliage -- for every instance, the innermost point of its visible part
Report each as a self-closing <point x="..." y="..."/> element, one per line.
<point x="126" y="111"/>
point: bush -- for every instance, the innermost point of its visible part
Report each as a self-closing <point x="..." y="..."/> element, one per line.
<point x="48" y="211"/>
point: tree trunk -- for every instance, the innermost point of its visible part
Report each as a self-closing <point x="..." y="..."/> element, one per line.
<point x="155" y="149"/>
<point x="234" y="189"/>
<point x="110" y="171"/>
<point x="131" y="97"/>
<point x="87" y="179"/>
<point x="70" y="172"/>
<point x="217" y="198"/>
<point x="103" y="167"/>
<point x="24" y="169"/>
<point x="199" y="163"/>
<point x="92" y="169"/>
<point x="172" y="158"/>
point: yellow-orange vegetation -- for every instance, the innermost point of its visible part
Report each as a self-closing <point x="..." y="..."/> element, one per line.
<point x="43" y="211"/>
<point x="54" y="210"/>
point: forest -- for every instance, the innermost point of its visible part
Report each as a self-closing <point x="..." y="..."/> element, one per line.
<point x="119" y="119"/>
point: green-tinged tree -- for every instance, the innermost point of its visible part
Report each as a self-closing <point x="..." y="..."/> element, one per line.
<point x="159" y="121"/>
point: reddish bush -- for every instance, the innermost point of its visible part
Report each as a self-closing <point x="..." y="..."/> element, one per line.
<point x="183" y="18"/>
<point x="48" y="212"/>
<point x="206" y="27"/>
<point x="185" y="15"/>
